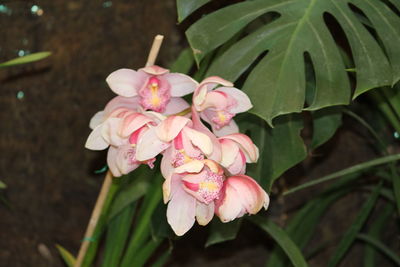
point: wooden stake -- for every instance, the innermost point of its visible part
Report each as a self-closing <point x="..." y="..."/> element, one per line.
<point x="154" y="50"/>
<point x="105" y="188"/>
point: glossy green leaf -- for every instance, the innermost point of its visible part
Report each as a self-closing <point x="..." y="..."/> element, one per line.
<point x="187" y="7"/>
<point x="302" y="226"/>
<point x="221" y="232"/>
<point x="68" y="258"/>
<point x="375" y="231"/>
<point x="25" y="59"/>
<point x="145" y="252"/>
<point x="381" y="247"/>
<point x="280" y="147"/>
<point x="142" y="228"/>
<point x="160" y="262"/>
<point x="354" y="229"/>
<point x="283" y="240"/>
<point x="2" y="185"/>
<point x="184" y="62"/>
<point x="132" y="191"/>
<point x="353" y="169"/>
<point x="325" y="123"/>
<point x="160" y="228"/>
<point x="101" y="225"/>
<point x="277" y="83"/>
<point x="117" y="235"/>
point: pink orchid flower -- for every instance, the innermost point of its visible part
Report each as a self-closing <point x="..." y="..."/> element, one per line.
<point x="175" y="133"/>
<point x="194" y="188"/>
<point x="121" y="129"/>
<point x="218" y="105"/>
<point x="240" y="195"/>
<point x="155" y="88"/>
<point x="237" y="150"/>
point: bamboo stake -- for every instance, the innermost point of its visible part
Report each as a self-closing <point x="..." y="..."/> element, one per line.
<point x="105" y="188"/>
<point x="154" y="50"/>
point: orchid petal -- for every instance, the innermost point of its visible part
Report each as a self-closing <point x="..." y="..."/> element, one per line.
<point x="126" y="82"/>
<point x="249" y="148"/>
<point x="181" y="84"/>
<point x="181" y="211"/>
<point x="200" y="140"/>
<point x="111" y="161"/>
<point x="149" y="146"/>
<point x="231" y="128"/>
<point x="154" y="70"/>
<point x="230" y="150"/>
<point x="214" y="80"/>
<point x="110" y="131"/>
<point x="204" y="212"/>
<point x="168" y="129"/>
<point x="253" y="197"/>
<point x="214" y="99"/>
<point x="124" y="162"/>
<point x="96" y="120"/>
<point x="199" y="126"/>
<point x="243" y="102"/>
<point x="176" y="105"/>
<point x="229" y="206"/>
<point x="95" y="140"/>
<point x="131" y="103"/>
<point x="239" y="164"/>
<point x="193" y="166"/>
<point x="133" y="122"/>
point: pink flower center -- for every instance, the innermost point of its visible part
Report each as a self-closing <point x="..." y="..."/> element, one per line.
<point x="209" y="189"/>
<point x="155" y="95"/>
<point x="181" y="157"/>
<point x="221" y="118"/>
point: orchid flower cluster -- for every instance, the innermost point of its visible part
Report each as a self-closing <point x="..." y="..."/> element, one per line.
<point x="204" y="169"/>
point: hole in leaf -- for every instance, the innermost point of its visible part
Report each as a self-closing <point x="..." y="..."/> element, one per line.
<point x="368" y="25"/>
<point x="343" y="44"/>
<point x="310" y="79"/>
<point x="243" y="77"/>
<point x="391" y="6"/>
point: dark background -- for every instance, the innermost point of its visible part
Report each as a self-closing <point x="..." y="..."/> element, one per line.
<point x="50" y="175"/>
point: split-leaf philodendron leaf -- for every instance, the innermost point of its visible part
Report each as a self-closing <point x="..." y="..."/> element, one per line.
<point x="277" y="83"/>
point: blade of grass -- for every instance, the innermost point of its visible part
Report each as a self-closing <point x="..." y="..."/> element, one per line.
<point x="95" y="238"/>
<point x="355" y="228"/>
<point x="302" y="226"/>
<point x="381" y="247"/>
<point x="68" y="258"/>
<point x="25" y="59"/>
<point x="160" y="262"/>
<point x="374" y="231"/>
<point x="142" y="228"/>
<point x="350" y="170"/>
<point x="145" y="252"/>
<point x="282" y="238"/>
<point x="117" y="234"/>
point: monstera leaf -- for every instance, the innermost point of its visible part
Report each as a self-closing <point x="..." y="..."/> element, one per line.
<point x="273" y="57"/>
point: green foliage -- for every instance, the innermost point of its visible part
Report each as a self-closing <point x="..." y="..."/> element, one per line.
<point x="293" y="29"/>
<point x="186" y="7"/>
<point x="282" y="238"/>
<point x="25" y="59"/>
<point x="280" y="147"/>
<point x="2" y="185"/>
<point x="325" y="123"/>
<point x="355" y="228"/>
<point x="353" y="169"/>
<point x="68" y="258"/>
<point x="221" y="232"/>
